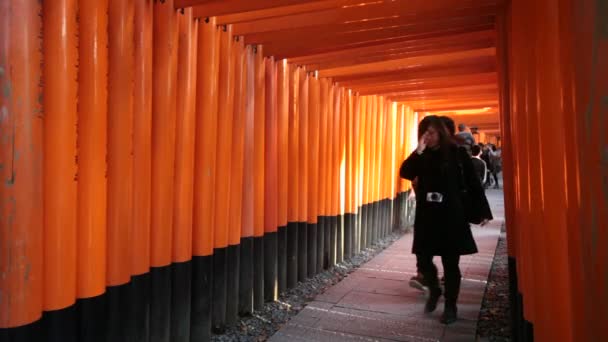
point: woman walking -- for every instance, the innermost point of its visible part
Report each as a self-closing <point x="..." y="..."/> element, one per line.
<point x="448" y="191"/>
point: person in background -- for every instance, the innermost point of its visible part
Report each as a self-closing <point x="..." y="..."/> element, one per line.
<point x="466" y="137"/>
<point x="496" y="162"/>
<point x="481" y="168"/>
<point x="441" y="227"/>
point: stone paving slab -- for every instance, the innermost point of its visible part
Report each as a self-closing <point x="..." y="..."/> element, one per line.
<point x="375" y="303"/>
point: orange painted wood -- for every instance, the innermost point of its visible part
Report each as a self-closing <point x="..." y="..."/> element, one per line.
<point x="356" y="152"/>
<point x="249" y="148"/>
<point x="400" y="64"/>
<point x="207" y="79"/>
<point x="313" y="148"/>
<point x="259" y="133"/>
<point x="333" y="164"/>
<point x="483" y="65"/>
<point x="271" y="207"/>
<point x="390" y="48"/>
<point x="21" y="238"/>
<point x="305" y="7"/>
<point x="348" y="154"/>
<point x="337" y="148"/>
<point x="60" y="49"/>
<point x="185" y="137"/>
<point x="92" y="148"/>
<point x="283" y="132"/>
<point x="303" y="115"/>
<point x="211" y="8"/>
<point x="238" y="145"/>
<point x="224" y="139"/>
<point x="322" y="167"/>
<point x="294" y="122"/>
<point x="142" y="137"/>
<point x="366" y="12"/>
<point x="164" y="108"/>
<point x="286" y="48"/>
<point x="361" y="150"/>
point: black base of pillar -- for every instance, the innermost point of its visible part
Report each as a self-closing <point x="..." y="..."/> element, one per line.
<point x="271" y="290"/>
<point x="320" y="243"/>
<point x="340" y="240"/>
<point x="181" y="289"/>
<point x="282" y="258"/>
<point x="312" y="249"/>
<point x="160" y="305"/>
<point x="232" y="284"/>
<point x="246" y="277"/>
<point x="258" y="273"/>
<point x="302" y="251"/>
<point x="202" y="285"/>
<point x="348" y="236"/>
<point x="292" y="255"/>
<point x="220" y="267"/>
<point x="356" y="242"/>
<point x="90" y="312"/>
<point x="327" y="243"/>
<point x="26" y="333"/>
<point x="60" y="325"/>
<point x="333" y="240"/>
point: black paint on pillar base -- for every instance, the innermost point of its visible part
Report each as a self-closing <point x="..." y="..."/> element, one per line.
<point x="220" y="267"/>
<point x="139" y="312"/>
<point x="356" y="233"/>
<point x="32" y="332"/>
<point x="513" y="302"/>
<point x="377" y="222"/>
<point x="363" y="229"/>
<point x="160" y="304"/>
<point x="232" y="284"/>
<point x="282" y="258"/>
<point x="327" y="243"/>
<point x="521" y="329"/>
<point x="202" y="294"/>
<point x="60" y="325"/>
<point x="386" y="215"/>
<point x="394" y="203"/>
<point x="118" y="301"/>
<point x="370" y="225"/>
<point x="258" y="273"/>
<point x="271" y="266"/>
<point x="302" y="251"/>
<point x="90" y="313"/>
<point x="333" y="240"/>
<point x="292" y="255"/>
<point x="246" y="277"/>
<point x="385" y="211"/>
<point x="181" y="301"/>
<point x="312" y="249"/>
<point x="340" y="240"/>
<point x="348" y="237"/>
<point x="320" y="243"/>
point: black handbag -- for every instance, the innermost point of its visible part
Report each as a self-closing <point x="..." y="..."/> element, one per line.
<point x="472" y="212"/>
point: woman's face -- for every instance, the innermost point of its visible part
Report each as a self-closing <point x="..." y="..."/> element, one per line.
<point x="432" y="137"/>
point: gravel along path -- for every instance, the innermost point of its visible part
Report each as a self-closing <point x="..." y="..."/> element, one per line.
<point x="493" y="324"/>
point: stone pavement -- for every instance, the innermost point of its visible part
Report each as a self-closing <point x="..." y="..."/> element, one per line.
<point x="375" y="303"/>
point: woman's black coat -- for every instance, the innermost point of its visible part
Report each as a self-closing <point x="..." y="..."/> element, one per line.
<point x="441" y="228"/>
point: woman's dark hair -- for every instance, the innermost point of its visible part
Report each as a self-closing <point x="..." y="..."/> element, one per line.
<point x="437" y="123"/>
<point x="445" y="139"/>
<point x="449" y="124"/>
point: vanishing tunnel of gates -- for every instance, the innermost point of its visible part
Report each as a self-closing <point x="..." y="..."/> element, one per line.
<point x="169" y="165"/>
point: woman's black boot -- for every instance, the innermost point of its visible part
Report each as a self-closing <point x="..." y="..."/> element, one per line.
<point x="431" y="302"/>
<point x="450" y="314"/>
